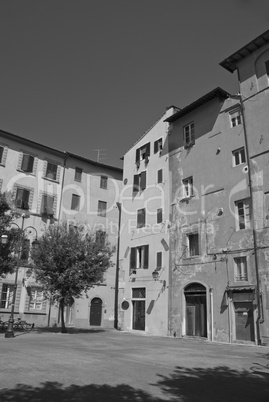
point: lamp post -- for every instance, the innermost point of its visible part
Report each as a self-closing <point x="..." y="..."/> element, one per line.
<point x="4" y="239"/>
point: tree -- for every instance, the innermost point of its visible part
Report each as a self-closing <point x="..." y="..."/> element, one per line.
<point x="8" y="251"/>
<point x="68" y="262"/>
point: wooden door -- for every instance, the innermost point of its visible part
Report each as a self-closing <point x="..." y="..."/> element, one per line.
<point x="139" y="315"/>
<point x="244" y="322"/>
<point x="96" y="312"/>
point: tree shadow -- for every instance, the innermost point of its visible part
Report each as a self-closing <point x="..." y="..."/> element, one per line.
<point x="55" y="392"/>
<point x="216" y="384"/>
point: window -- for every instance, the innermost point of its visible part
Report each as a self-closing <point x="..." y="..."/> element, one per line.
<point x="36" y="299"/>
<point x="239" y="156"/>
<point x="159" y="215"/>
<point x="100" y="237"/>
<point x="138" y="293"/>
<point x="139" y="257"/>
<point x="193" y="244"/>
<point x="160" y="176"/>
<point x="189" y="134"/>
<point x="140" y="182"/>
<point x="159" y="260"/>
<point x="25" y="251"/>
<point x="242" y="214"/>
<point x="103" y="182"/>
<point x="241" y="269"/>
<point x="101" y="208"/>
<point x="27" y="163"/>
<point x="75" y="203"/>
<point x="7" y="295"/>
<point x="78" y="174"/>
<point x="158" y="145"/>
<point x="3" y="155"/>
<point x="51" y="171"/>
<point x="22" y="198"/>
<point x="267" y="67"/>
<point x="47" y="205"/>
<point x="142" y="153"/>
<point x="235" y="117"/>
<point x="188" y="187"/>
<point x="141" y="218"/>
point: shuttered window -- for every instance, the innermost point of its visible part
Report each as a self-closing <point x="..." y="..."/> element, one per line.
<point x="78" y="174"/>
<point x="160" y="176"/>
<point x="158" y="145"/>
<point x="103" y="182"/>
<point x="75" y="203"/>
<point x="7" y="296"/>
<point x="139" y="257"/>
<point x="141" y="218"/>
<point x="47" y="205"/>
<point x="159" y="215"/>
<point x="102" y="208"/>
<point x="159" y="259"/>
<point x="22" y="198"/>
<point x="27" y="163"/>
<point x="140" y="182"/>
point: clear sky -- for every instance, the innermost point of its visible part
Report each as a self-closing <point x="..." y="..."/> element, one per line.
<point x="80" y="75"/>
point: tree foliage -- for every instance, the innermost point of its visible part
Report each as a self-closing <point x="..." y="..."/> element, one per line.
<point x="68" y="262"/>
<point x="8" y="258"/>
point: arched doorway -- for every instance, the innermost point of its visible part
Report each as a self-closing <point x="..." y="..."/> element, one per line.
<point x="196" y="320"/>
<point x="96" y="311"/>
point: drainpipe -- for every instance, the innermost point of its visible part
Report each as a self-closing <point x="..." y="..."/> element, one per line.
<point x="212" y="313"/>
<point x="116" y="313"/>
<point x="259" y="319"/>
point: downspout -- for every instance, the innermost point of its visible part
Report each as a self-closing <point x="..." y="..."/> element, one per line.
<point x="212" y="313"/>
<point x="116" y="313"/>
<point x="259" y="320"/>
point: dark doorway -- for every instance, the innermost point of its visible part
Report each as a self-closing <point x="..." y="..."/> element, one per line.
<point x="244" y="323"/>
<point x="139" y="314"/>
<point x="196" y="317"/>
<point x="96" y="311"/>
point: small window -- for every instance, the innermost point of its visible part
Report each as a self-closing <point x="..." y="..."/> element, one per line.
<point x="240" y="269"/>
<point x="51" y="171"/>
<point x="160" y="176"/>
<point x="75" y="203"/>
<point x="27" y="163"/>
<point x="159" y="215"/>
<point x="242" y="209"/>
<point x="239" y="156"/>
<point x="159" y="260"/>
<point x="193" y="244"/>
<point x="140" y="182"/>
<point x="22" y="198"/>
<point x="101" y="208"/>
<point x="78" y="174"/>
<point x="141" y="218"/>
<point x="7" y="296"/>
<point x="47" y="205"/>
<point x="187" y="187"/>
<point x="36" y="299"/>
<point x="139" y="293"/>
<point x="235" y="117"/>
<point x="103" y="182"/>
<point x="189" y="134"/>
<point x="139" y="257"/>
<point x="158" y="145"/>
<point x="142" y="153"/>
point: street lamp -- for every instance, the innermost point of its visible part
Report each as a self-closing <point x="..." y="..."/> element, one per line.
<point x="4" y="239"/>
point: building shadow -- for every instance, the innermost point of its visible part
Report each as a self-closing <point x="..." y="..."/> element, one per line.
<point x="58" y="330"/>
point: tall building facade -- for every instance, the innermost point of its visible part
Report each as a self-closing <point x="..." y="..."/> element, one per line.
<point x="49" y="186"/>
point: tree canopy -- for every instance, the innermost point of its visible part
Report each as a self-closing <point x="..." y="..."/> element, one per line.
<point x="68" y="262"/>
<point x="8" y="251"/>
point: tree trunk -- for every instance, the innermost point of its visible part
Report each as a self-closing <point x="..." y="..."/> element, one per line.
<point x="64" y="330"/>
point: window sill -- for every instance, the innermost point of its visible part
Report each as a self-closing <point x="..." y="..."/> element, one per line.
<point x="186" y="198"/>
<point x="23" y="171"/>
<point x="52" y="180"/>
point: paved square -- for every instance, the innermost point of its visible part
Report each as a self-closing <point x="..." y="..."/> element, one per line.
<point x="116" y="366"/>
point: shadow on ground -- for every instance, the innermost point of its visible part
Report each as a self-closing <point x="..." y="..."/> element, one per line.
<point x="216" y="384"/>
<point x="58" y="330"/>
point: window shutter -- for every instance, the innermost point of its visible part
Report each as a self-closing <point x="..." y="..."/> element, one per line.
<point x="148" y="149"/>
<point x="146" y="257"/>
<point x="159" y="260"/>
<point x="159" y="215"/>
<point x="25" y="162"/>
<point x="141" y="217"/>
<point x="58" y="173"/>
<point x="136" y="183"/>
<point x="155" y="147"/>
<point x="35" y="165"/>
<point x="160" y="176"/>
<point x="4" y="157"/>
<point x="133" y="258"/>
<point x="31" y="197"/>
<point x="143" y="180"/>
<point x="26" y="194"/>
<point x="1" y="153"/>
<point x="137" y="155"/>
<point x="45" y="168"/>
<point x="192" y="134"/>
<point x="20" y="160"/>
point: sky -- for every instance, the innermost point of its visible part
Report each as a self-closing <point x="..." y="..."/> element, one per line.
<point x="82" y="75"/>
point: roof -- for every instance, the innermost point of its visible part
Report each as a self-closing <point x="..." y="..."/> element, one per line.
<point x="82" y="158"/>
<point x="63" y="154"/>
<point x="216" y="93"/>
<point x="230" y="62"/>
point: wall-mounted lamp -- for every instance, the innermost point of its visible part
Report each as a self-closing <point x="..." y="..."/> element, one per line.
<point x="155" y="276"/>
<point x="4" y="239"/>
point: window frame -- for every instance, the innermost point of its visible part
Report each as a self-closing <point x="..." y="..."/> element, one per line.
<point x="35" y="301"/>
<point x="189" y="134"/>
<point x="142" y="153"/>
<point x="195" y="246"/>
<point x="46" y="171"/>
<point x="102" y="208"/>
<point x="24" y="201"/>
<point x="75" y="206"/>
<point x="242" y="214"/>
<point x="30" y="163"/>
<point x="187" y="185"/>
<point x="139" y="257"/>
<point x="103" y="182"/>
<point x="48" y="208"/>
<point x="237" y="119"/>
<point x="237" y="154"/>
<point x="140" y="182"/>
<point x="78" y="174"/>
<point x="141" y="218"/>
<point x="160" y="176"/>
<point x="240" y="274"/>
<point x="9" y="295"/>
<point x="159" y="215"/>
<point x="158" y="145"/>
<point x="159" y="260"/>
